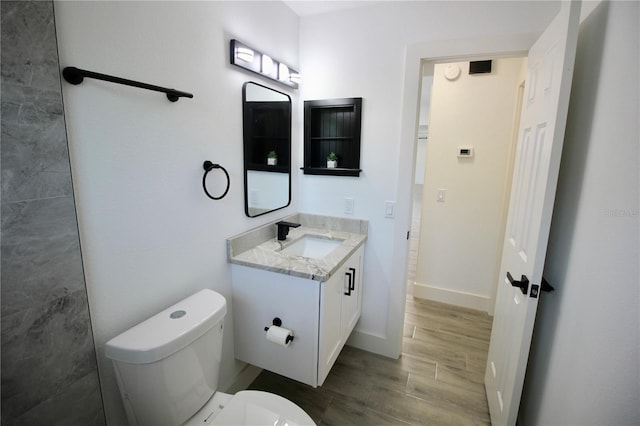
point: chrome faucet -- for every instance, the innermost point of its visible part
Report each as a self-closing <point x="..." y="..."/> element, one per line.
<point x="283" y="229"/>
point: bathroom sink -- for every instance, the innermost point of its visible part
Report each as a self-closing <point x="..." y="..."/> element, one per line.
<point x="312" y="247"/>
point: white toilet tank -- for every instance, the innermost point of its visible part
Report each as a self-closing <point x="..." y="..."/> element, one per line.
<point x="167" y="366"/>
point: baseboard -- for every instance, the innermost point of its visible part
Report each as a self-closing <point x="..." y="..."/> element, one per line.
<point x="244" y="378"/>
<point x="452" y="297"/>
<point x="371" y="343"/>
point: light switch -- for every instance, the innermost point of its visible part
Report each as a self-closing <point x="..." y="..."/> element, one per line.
<point x="389" y="209"/>
<point x="348" y="205"/>
<point x="441" y="194"/>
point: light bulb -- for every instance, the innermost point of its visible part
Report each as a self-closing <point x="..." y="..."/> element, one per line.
<point x="294" y="77"/>
<point x="283" y="72"/>
<point x="267" y="64"/>
<point x="244" y="54"/>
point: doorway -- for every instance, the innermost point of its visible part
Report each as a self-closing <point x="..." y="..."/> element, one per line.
<point x="415" y="56"/>
<point x="465" y="146"/>
<point x="462" y="324"/>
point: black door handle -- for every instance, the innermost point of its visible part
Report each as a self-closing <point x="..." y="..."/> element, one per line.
<point x="523" y="284"/>
<point x="546" y="286"/>
<point x="352" y="285"/>
<point x="348" y="292"/>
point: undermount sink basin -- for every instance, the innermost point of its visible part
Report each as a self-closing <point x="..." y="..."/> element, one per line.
<point x="312" y="247"/>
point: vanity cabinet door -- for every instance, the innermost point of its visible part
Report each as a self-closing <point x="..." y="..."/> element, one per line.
<point x="352" y="295"/>
<point x="340" y="307"/>
<point x="331" y="337"/>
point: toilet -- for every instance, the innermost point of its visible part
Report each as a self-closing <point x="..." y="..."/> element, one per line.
<point x="167" y="369"/>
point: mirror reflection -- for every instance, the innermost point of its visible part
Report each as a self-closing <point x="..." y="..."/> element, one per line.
<point x="267" y="149"/>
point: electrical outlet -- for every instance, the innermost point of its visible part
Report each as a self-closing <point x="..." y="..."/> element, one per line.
<point x="348" y="205"/>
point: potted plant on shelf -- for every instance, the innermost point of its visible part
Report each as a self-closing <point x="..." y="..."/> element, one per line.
<point x="272" y="158"/>
<point x="332" y="161"/>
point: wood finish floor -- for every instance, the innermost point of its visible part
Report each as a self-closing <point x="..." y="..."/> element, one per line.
<point x="438" y="380"/>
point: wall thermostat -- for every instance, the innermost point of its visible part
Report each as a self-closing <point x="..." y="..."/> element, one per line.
<point x="465" y="151"/>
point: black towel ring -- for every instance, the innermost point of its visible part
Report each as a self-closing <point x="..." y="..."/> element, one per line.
<point x="208" y="166"/>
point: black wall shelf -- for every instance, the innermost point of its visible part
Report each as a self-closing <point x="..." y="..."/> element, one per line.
<point x="332" y="125"/>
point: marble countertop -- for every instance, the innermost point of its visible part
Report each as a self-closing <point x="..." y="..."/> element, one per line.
<point x="267" y="254"/>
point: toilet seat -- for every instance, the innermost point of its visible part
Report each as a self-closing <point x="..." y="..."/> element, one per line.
<point x="250" y="408"/>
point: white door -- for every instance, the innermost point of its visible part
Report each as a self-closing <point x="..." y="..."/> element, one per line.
<point x="544" y="112"/>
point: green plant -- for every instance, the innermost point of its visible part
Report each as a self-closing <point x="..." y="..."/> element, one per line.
<point x="332" y="157"/>
<point x="272" y="154"/>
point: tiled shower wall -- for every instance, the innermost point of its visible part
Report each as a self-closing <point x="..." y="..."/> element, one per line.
<point x="49" y="373"/>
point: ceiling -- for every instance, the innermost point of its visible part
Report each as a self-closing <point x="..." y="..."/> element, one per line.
<point x="316" y="7"/>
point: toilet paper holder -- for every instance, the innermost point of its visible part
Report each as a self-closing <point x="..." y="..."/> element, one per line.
<point x="278" y="323"/>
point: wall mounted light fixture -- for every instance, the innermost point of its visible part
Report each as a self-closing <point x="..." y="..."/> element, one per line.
<point x="250" y="59"/>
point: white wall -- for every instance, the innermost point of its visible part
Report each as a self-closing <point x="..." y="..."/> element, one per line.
<point x="423" y="130"/>
<point x="361" y="52"/>
<point x="585" y="357"/>
<point x="425" y="96"/>
<point x="461" y="237"/>
<point x="149" y="235"/>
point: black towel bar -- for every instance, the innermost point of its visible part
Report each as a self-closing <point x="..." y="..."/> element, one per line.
<point x="75" y="76"/>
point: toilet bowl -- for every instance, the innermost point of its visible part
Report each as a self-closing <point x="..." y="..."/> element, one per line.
<point x="249" y="408"/>
<point x="167" y="369"/>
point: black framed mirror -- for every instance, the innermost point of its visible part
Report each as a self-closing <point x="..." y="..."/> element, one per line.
<point x="267" y="149"/>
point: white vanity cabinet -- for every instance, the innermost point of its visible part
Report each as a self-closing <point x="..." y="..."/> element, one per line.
<point x="321" y="315"/>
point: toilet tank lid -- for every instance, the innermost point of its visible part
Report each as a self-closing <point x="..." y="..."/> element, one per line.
<point x="170" y="330"/>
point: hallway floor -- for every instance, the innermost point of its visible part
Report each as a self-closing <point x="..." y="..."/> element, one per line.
<point x="438" y="379"/>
